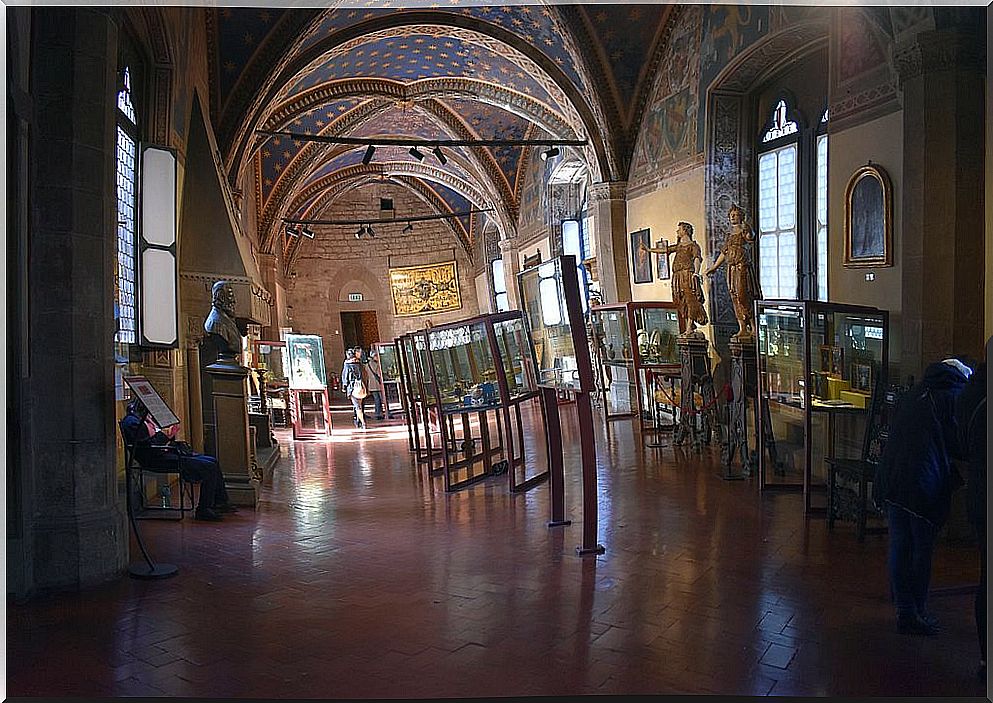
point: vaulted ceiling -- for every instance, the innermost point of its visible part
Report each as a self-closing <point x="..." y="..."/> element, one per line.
<point x="513" y="72"/>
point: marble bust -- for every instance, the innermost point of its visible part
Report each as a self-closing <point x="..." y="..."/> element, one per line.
<point x="220" y="324"/>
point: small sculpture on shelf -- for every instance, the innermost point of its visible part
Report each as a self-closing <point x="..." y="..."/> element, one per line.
<point x="220" y="324"/>
<point x="687" y="286"/>
<point x="743" y="284"/>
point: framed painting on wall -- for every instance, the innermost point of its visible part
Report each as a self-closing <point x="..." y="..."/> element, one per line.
<point x="869" y="219"/>
<point x="641" y="258"/>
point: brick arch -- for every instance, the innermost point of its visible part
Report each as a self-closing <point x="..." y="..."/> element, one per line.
<point x="279" y="201"/>
<point x="604" y="162"/>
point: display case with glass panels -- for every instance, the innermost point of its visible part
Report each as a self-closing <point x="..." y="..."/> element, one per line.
<point x="390" y="368"/>
<point x="634" y="350"/>
<point x="553" y="308"/>
<point x="818" y="365"/>
<point x="515" y="353"/>
<point x="303" y="360"/>
<point x="464" y="367"/>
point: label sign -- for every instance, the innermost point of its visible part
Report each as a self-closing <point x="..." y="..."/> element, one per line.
<point x="355" y="297"/>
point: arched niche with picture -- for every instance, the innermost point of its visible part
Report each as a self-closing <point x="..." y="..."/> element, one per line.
<point x="869" y="219"/>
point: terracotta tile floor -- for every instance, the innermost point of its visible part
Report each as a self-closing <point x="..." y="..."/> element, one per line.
<point x="360" y="577"/>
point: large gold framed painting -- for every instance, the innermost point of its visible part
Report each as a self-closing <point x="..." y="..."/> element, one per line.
<point x="420" y="290"/>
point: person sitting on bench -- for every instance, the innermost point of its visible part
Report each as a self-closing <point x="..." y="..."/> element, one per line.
<point x="150" y="447"/>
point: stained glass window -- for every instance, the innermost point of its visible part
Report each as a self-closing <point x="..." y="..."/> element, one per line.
<point x="125" y="287"/>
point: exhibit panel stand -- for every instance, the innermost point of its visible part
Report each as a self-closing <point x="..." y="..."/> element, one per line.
<point x="310" y="413"/>
<point x="553" y="310"/>
<point x="229" y="393"/>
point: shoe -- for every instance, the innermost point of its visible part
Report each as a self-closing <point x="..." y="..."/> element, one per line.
<point x="225" y="508"/>
<point x="207" y="515"/>
<point x="915" y="625"/>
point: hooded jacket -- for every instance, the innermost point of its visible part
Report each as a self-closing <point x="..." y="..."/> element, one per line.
<point x="915" y="471"/>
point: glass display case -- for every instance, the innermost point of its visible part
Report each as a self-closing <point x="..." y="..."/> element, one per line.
<point x="557" y="329"/>
<point x="818" y="365"/>
<point x="634" y="349"/>
<point x="303" y="359"/>
<point x="477" y="365"/>
<point x="389" y="363"/>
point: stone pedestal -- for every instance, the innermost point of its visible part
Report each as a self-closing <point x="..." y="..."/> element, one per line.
<point x="695" y="378"/>
<point x="744" y="387"/>
<point x="232" y="439"/>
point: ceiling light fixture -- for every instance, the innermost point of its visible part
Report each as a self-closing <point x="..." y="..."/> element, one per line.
<point x="417" y="153"/>
<point x="358" y="235"/>
<point x="368" y="155"/>
<point x="368" y="230"/>
<point x="291" y="231"/>
<point x="549" y="153"/>
<point x="409" y="227"/>
<point x="440" y="155"/>
<point x="307" y="232"/>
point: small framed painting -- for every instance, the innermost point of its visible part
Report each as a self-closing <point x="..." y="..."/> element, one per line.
<point x="665" y="273"/>
<point x="641" y="258"/>
<point x="869" y="219"/>
<point x="861" y="377"/>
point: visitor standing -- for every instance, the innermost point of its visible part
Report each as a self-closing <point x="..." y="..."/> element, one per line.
<point x="353" y="385"/>
<point x="376" y="388"/>
<point x="915" y="481"/>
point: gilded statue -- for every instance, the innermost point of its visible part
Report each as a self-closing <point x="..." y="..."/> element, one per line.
<point x="687" y="286"/>
<point x="220" y="323"/>
<point x="742" y="281"/>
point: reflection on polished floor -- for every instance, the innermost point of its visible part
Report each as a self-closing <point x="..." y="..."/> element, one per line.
<point x="360" y="577"/>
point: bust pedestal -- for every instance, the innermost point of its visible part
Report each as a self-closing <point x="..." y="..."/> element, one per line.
<point x="232" y="441"/>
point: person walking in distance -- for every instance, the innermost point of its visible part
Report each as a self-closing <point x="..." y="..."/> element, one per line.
<point x="376" y="388"/>
<point x="353" y="385"/>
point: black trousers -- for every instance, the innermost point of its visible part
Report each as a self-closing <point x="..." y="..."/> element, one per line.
<point x="981" y="593"/>
<point x="207" y="471"/>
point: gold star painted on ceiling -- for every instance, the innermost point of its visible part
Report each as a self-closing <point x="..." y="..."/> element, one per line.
<point x="278" y="167"/>
<point x="635" y="14"/>
<point x="287" y="154"/>
<point x="297" y="143"/>
<point x="226" y="13"/>
<point x="229" y="66"/>
<point x="616" y="56"/>
<point x="265" y="16"/>
<point x="266" y="153"/>
<point x="268" y="182"/>
<point x="249" y="38"/>
<point x="275" y="141"/>
<point x="298" y="122"/>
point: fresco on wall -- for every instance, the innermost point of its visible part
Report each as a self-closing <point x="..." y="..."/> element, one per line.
<point x="859" y="48"/>
<point x="667" y="132"/>
<point x="534" y="194"/>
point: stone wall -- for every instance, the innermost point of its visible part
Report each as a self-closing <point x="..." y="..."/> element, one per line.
<point x="335" y="264"/>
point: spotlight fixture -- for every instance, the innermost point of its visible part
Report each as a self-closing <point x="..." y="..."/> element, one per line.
<point x="291" y="231"/>
<point x="307" y="232"/>
<point x="549" y="153"/>
<point x="440" y="155"/>
<point x="416" y="153"/>
<point x="409" y="227"/>
<point x="368" y="230"/>
<point x="358" y="235"/>
<point x="368" y="155"/>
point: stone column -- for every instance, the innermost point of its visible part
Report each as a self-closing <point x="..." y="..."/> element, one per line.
<point x="268" y="267"/>
<point x="75" y="529"/>
<point x="511" y="267"/>
<point x="941" y="75"/>
<point x="610" y="222"/>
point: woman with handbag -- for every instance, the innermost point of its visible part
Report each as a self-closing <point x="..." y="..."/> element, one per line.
<point x="353" y="384"/>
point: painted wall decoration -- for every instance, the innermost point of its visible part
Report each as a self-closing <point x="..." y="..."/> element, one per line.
<point x="859" y="49"/>
<point x="641" y="258"/>
<point x="669" y="124"/>
<point x="420" y="290"/>
<point x="869" y="219"/>
<point x="534" y="192"/>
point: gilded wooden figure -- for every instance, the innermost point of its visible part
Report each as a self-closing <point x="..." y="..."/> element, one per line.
<point x="687" y="286"/>
<point x="742" y="280"/>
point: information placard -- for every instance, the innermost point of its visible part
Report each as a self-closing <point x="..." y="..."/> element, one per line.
<point x="157" y="408"/>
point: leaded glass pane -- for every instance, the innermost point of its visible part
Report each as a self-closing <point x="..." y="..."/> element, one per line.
<point x="822" y="217"/>
<point x="125" y="290"/>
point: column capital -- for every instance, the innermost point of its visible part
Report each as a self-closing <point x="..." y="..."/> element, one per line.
<point x="508" y="245"/>
<point x="939" y="50"/>
<point x="608" y="190"/>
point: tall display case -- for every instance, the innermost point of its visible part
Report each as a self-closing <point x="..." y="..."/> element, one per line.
<point x="481" y="370"/>
<point x="634" y="352"/>
<point x="303" y="359"/>
<point x="389" y="363"/>
<point x="818" y="363"/>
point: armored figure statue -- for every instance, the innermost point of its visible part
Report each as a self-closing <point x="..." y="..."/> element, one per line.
<point x="220" y="324"/>
<point x="742" y="281"/>
<point x="687" y="287"/>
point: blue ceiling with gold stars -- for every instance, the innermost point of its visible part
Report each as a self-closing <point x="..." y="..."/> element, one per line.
<point x="240" y="31"/>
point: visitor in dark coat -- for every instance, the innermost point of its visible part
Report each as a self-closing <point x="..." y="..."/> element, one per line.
<point x="970" y="413"/>
<point x="915" y="481"/>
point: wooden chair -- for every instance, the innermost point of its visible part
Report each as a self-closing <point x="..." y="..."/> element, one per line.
<point x="862" y="471"/>
<point x="170" y="466"/>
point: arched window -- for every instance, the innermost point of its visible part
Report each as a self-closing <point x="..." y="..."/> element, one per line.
<point x="500" y="298"/>
<point x="777" y="205"/>
<point x="821" y="243"/>
<point x="125" y="288"/>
